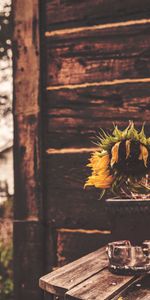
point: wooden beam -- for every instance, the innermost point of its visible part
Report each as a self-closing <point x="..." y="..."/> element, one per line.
<point x="28" y="212"/>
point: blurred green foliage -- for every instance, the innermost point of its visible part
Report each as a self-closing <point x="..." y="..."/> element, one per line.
<point x="6" y="273"/>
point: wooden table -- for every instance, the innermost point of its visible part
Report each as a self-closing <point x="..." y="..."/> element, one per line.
<point x="89" y="278"/>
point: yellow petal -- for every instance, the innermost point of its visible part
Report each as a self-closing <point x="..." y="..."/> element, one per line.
<point x="128" y="144"/>
<point x="101" y="180"/>
<point x="97" y="162"/>
<point x="114" y="152"/>
<point x="143" y="154"/>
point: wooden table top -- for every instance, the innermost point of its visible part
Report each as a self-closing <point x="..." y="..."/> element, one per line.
<point x="89" y="278"/>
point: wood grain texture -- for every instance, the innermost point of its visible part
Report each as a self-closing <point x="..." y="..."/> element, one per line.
<point x="77" y="13"/>
<point x="28" y="230"/>
<point x="98" y="55"/>
<point x="138" y="291"/>
<point x="67" y="171"/>
<point x="26" y="109"/>
<point x="28" y="200"/>
<point x="28" y="262"/>
<point x="104" y="285"/>
<point x="65" y="278"/>
<point x="75" y="208"/>
<point x="75" y="116"/>
<point x="67" y="204"/>
<point x="73" y="244"/>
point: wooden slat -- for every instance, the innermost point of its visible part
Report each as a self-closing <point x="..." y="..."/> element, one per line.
<point x="138" y="291"/>
<point x="75" y="13"/>
<point x="74" y="208"/>
<point x="65" y="278"/>
<point x="74" y="243"/>
<point x="122" y="95"/>
<point x="71" y="168"/>
<point x="98" y="55"/>
<point x="103" y="285"/>
<point x="75" y="116"/>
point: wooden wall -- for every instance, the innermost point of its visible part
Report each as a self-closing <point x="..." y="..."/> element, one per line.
<point x="97" y="72"/>
<point x="93" y="69"/>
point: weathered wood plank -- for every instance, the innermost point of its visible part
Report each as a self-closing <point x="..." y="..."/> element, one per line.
<point x="98" y="55"/>
<point x="74" y="243"/>
<point x="74" y="208"/>
<point x="28" y="262"/>
<point x="65" y="278"/>
<point x="103" y="285"/>
<point x="77" y="13"/>
<point x="26" y="111"/>
<point x="75" y="116"/>
<point x="121" y="95"/>
<point x="28" y="230"/>
<point x="67" y="204"/>
<point x="28" y="201"/>
<point x="138" y="291"/>
<point x="67" y="171"/>
<point x="50" y="247"/>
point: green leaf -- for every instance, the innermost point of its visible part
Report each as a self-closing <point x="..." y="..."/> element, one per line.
<point x="102" y="193"/>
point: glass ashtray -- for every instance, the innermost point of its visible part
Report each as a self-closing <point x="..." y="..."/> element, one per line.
<point x="127" y="259"/>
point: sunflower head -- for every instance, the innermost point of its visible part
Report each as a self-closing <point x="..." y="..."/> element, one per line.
<point x="121" y="163"/>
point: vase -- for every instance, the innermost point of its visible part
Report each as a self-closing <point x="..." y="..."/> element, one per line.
<point x="129" y="219"/>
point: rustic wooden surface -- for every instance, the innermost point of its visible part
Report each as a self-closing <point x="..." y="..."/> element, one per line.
<point x="138" y="291"/>
<point x="89" y="278"/>
<point x="102" y="286"/>
<point x="28" y="260"/>
<point x="78" y="242"/>
<point x="28" y="228"/>
<point x="96" y="73"/>
<point x="75" y="116"/>
<point x="76" y="208"/>
<point x="94" y="70"/>
<point x="75" y="13"/>
<point x="98" y="55"/>
<point x="65" y="278"/>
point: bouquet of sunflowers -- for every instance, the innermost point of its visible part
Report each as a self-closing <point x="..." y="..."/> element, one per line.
<point x="121" y="164"/>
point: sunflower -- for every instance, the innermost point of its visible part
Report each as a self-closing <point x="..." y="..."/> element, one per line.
<point x="101" y="177"/>
<point x="122" y="163"/>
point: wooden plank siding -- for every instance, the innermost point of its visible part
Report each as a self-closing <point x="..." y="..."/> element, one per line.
<point x="28" y="212"/>
<point x="97" y="73"/>
<point x="93" y="63"/>
<point x="74" y="13"/>
<point x="98" y="54"/>
<point x="76" y="115"/>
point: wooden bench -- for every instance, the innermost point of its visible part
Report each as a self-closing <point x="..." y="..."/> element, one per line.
<point x="89" y="278"/>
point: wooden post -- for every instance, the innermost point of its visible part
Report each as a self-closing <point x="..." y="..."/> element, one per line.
<point x="28" y="225"/>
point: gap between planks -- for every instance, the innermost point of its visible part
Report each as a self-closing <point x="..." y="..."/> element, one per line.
<point x="88" y="231"/>
<point x="94" y="84"/>
<point x="62" y="32"/>
<point x="70" y="150"/>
